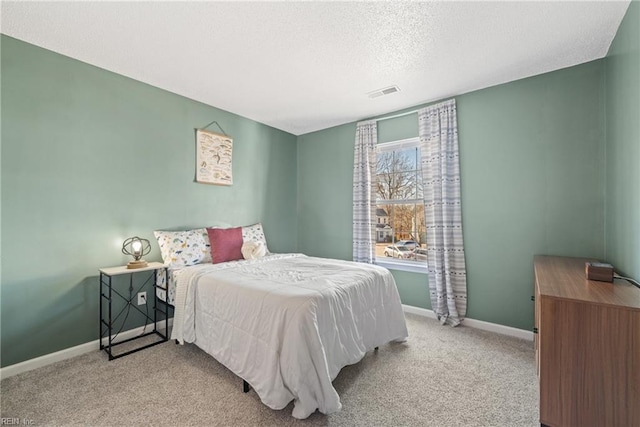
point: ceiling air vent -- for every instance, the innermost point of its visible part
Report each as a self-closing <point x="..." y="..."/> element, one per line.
<point x="385" y="91"/>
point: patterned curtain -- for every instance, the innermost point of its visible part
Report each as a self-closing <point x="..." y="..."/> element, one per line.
<point x="438" y="130"/>
<point x="364" y="197"/>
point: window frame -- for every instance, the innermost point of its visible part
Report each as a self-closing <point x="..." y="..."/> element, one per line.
<point x="392" y="263"/>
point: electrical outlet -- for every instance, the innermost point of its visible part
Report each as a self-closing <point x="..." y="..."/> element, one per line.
<point x="142" y="298"/>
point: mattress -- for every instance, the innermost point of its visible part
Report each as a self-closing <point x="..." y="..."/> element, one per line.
<point x="288" y="323"/>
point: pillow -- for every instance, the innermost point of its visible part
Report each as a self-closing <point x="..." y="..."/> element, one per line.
<point x="253" y="250"/>
<point x="254" y="233"/>
<point x="183" y="248"/>
<point x="226" y="244"/>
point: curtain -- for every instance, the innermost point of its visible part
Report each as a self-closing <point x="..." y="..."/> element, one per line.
<point x="364" y="198"/>
<point x="438" y="131"/>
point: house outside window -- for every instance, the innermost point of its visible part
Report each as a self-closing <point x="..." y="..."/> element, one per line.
<point x="400" y="223"/>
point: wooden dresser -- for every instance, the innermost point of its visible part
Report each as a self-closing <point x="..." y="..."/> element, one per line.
<point x="587" y="346"/>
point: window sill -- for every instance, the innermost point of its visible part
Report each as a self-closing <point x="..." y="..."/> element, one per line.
<point x="409" y="266"/>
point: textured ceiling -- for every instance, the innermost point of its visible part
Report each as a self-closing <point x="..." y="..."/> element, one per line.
<point x="305" y="66"/>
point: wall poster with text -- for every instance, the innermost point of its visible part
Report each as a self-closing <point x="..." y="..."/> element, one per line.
<point x="213" y="158"/>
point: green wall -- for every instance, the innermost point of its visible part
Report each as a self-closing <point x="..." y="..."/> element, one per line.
<point x="89" y="158"/>
<point x="623" y="146"/>
<point x="532" y="170"/>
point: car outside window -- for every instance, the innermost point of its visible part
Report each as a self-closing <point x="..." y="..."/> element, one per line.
<point x="400" y="227"/>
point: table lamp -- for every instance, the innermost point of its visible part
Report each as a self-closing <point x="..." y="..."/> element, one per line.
<point x="137" y="248"/>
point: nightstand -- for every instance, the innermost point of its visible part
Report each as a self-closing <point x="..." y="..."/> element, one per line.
<point x="108" y="293"/>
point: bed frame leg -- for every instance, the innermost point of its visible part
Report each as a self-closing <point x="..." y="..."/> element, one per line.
<point x="177" y="342"/>
<point x="245" y="387"/>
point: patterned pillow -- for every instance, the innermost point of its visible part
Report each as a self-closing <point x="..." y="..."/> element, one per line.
<point x="254" y="233"/>
<point x="183" y="248"/>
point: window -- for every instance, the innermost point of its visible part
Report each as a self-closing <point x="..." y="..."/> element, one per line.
<point x="400" y="227"/>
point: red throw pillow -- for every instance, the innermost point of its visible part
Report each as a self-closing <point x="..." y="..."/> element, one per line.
<point x="226" y="244"/>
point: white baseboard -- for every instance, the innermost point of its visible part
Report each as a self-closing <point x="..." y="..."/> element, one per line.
<point x="477" y="324"/>
<point x="419" y="311"/>
<point x="67" y="353"/>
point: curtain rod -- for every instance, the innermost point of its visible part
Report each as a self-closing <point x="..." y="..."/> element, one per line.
<point x="397" y="115"/>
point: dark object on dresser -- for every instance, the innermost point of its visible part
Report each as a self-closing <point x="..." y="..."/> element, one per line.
<point x="599" y="271"/>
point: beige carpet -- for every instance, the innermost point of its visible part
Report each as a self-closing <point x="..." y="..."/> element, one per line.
<point x="441" y="376"/>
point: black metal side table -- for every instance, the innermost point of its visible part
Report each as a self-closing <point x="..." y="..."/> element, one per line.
<point x="107" y="292"/>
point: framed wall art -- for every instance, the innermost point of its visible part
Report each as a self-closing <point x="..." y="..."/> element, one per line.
<point x="213" y="158"/>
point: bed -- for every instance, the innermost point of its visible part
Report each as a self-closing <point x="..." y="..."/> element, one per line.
<point x="286" y="323"/>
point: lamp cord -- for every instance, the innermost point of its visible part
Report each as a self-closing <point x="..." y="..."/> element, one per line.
<point x="628" y="279"/>
<point x="146" y="306"/>
<point x="123" y="322"/>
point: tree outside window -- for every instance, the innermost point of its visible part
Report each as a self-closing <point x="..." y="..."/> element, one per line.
<point x="400" y="208"/>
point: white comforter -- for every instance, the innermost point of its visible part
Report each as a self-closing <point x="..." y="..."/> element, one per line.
<point x="288" y="323"/>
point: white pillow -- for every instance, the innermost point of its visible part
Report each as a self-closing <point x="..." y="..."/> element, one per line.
<point x="253" y="250"/>
<point x="183" y="248"/>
